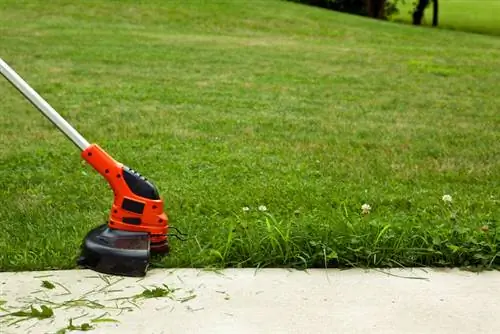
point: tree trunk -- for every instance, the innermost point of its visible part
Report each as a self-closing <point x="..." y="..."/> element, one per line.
<point x="435" y="13"/>
<point x="376" y="9"/>
<point x="418" y="14"/>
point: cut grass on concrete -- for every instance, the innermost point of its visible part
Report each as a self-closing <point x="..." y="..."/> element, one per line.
<point x="234" y="105"/>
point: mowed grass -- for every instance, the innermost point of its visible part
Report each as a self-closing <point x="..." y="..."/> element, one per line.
<point x="232" y="104"/>
<point x="461" y="15"/>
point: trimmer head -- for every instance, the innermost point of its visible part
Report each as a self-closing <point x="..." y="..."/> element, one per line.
<point x="137" y="224"/>
<point x="116" y="252"/>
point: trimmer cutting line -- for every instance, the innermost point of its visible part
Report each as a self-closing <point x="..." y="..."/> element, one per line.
<point x="137" y="225"/>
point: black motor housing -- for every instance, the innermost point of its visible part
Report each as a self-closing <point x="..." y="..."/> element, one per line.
<point x="116" y="252"/>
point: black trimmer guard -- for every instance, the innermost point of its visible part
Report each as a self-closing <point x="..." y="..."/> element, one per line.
<point x="116" y="252"/>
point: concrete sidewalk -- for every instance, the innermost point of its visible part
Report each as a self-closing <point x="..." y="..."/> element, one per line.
<point x="265" y="301"/>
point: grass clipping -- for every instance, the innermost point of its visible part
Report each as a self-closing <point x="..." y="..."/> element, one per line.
<point x="35" y="308"/>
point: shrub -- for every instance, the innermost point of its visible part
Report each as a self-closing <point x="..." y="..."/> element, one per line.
<point x="357" y="7"/>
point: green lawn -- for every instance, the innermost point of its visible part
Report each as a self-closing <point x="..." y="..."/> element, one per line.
<point x="236" y="104"/>
<point x="464" y="15"/>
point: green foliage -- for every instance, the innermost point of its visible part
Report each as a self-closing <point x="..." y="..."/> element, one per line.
<point x="466" y="16"/>
<point x="357" y="7"/>
<point x="358" y="240"/>
<point x="347" y="6"/>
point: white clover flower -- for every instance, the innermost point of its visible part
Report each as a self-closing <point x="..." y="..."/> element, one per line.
<point x="262" y="208"/>
<point x="246" y="208"/>
<point x="366" y="208"/>
<point x="447" y="198"/>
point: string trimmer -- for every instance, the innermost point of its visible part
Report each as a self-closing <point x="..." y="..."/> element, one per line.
<point x="137" y="225"/>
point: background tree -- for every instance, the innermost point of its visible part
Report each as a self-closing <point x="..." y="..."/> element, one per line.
<point x="435" y="13"/>
<point x="377" y="8"/>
